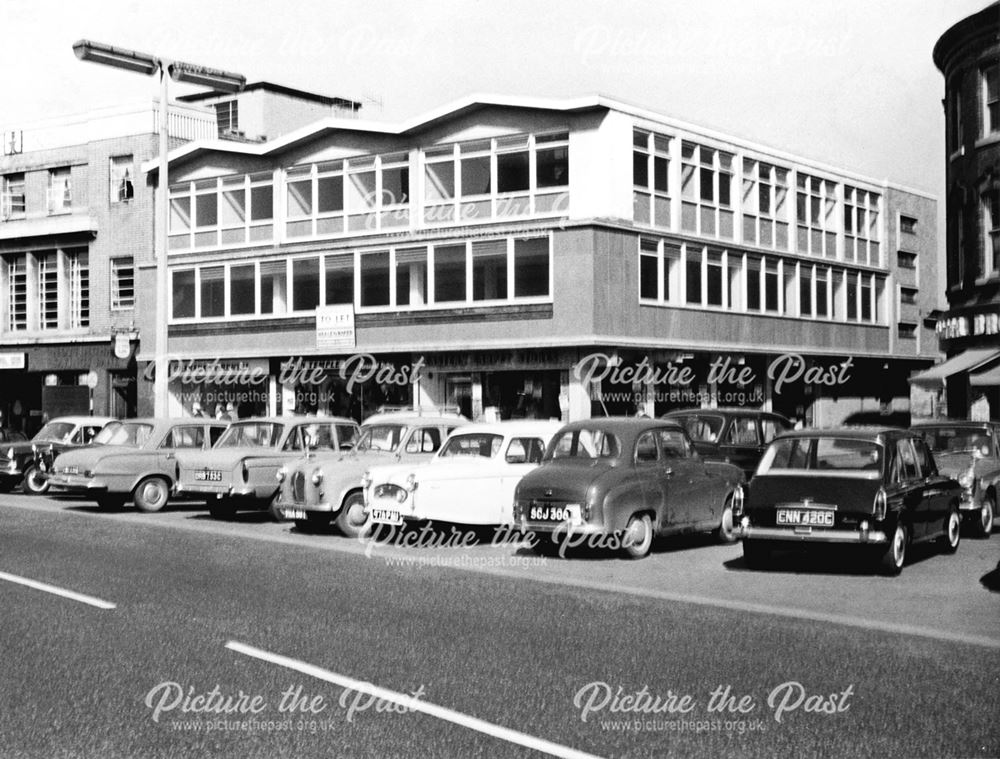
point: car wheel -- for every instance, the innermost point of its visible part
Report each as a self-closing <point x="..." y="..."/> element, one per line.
<point x="952" y="532"/>
<point x="726" y="531"/>
<point x="984" y="525"/>
<point x="278" y="515"/>
<point x="638" y="536"/>
<point x="894" y="556"/>
<point x="222" y="508"/>
<point x="151" y="494"/>
<point x="756" y="555"/>
<point x="34" y="482"/>
<point x="352" y="520"/>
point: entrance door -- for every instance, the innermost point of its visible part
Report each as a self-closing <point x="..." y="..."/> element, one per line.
<point x="459" y="393"/>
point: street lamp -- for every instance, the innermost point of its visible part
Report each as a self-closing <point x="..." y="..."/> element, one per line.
<point x="179" y="71"/>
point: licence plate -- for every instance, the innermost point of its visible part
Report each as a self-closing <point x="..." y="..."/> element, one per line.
<point x="805" y="518"/>
<point x="71" y="470"/>
<point x="568" y="513"/>
<point x="386" y="516"/>
<point x="208" y="475"/>
<point x="294" y="513"/>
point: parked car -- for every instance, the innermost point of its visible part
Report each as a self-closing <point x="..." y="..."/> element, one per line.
<point x="878" y="488"/>
<point x="133" y="459"/>
<point x="620" y="482"/>
<point x="470" y="481"/>
<point x="969" y="452"/>
<point x="11" y="436"/>
<point x="734" y="435"/>
<point x="18" y="464"/>
<point x="240" y="471"/>
<point x="325" y="487"/>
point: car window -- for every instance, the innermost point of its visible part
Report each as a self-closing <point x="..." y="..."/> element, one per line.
<point x="214" y="433"/>
<point x="524" y="450"/>
<point x="646" y="450"/>
<point x="482" y="444"/>
<point x="424" y="440"/>
<point x="743" y="431"/>
<point x="315" y="436"/>
<point x="825" y="453"/>
<point x="906" y="461"/>
<point x="347" y="435"/>
<point x="252" y="435"/>
<point x="925" y="461"/>
<point x="585" y="444"/>
<point x="703" y="428"/>
<point x="185" y="437"/>
<point x="674" y="444"/>
<point x="85" y="435"/>
<point x="772" y="428"/>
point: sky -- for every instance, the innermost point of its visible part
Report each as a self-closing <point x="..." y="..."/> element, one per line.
<point x="849" y="83"/>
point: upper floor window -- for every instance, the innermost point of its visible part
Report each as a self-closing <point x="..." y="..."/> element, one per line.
<point x="955" y="126"/>
<point x="907" y="225"/>
<point x="46" y="290"/>
<point x="122" y="283"/>
<point x="227" y="210"/>
<point x="706" y="191"/>
<point x="817" y="224"/>
<point x="861" y="225"/>
<point x="765" y="204"/>
<point x="991" y="98"/>
<point x="227" y="116"/>
<point x="989" y="247"/>
<point x="60" y="197"/>
<point x="12" y="202"/>
<point x="650" y="178"/>
<point x="16" y="267"/>
<point x="121" y="176"/>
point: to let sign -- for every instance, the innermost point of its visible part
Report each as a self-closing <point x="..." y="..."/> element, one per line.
<point x="335" y="327"/>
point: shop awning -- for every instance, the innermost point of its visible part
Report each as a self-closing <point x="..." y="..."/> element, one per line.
<point x="963" y="362"/>
<point x="986" y="378"/>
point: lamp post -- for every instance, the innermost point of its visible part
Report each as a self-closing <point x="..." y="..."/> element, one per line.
<point x="179" y="71"/>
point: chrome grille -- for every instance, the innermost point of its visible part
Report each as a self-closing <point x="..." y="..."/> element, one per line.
<point x="299" y="486"/>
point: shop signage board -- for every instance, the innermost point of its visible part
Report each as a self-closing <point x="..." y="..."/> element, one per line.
<point x="12" y="360"/>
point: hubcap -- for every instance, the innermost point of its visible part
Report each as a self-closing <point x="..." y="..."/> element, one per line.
<point x="356" y="513"/>
<point x="638" y="533"/>
<point x="954" y="525"/>
<point x="153" y="493"/>
<point x="899" y="547"/>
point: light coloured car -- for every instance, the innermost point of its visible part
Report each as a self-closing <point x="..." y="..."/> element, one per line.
<point x="325" y="486"/>
<point x="240" y="471"/>
<point x="27" y="462"/>
<point x="133" y="459"/>
<point x="470" y="481"/>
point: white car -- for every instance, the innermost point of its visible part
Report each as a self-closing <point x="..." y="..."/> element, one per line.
<point x="471" y="480"/>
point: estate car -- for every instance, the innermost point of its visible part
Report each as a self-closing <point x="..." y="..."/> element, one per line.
<point x="877" y="488"/>
<point x="620" y="482"/>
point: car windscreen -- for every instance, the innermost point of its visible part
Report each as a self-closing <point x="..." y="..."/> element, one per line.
<point x="955" y="439"/>
<point x="701" y="428"/>
<point x="482" y="444"/>
<point x="251" y="435"/>
<point x="381" y="437"/>
<point x="134" y="434"/>
<point x="586" y="443"/>
<point x="55" y="431"/>
<point x="822" y="454"/>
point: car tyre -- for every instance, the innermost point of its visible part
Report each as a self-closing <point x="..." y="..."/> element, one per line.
<point x="952" y="531"/>
<point x="892" y="559"/>
<point x="987" y="512"/>
<point x="637" y="539"/>
<point x="151" y="494"/>
<point x="352" y="520"/>
<point x="756" y="555"/>
<point x="222" y="508"/>
<point x="726" y="531"/>
<point x="34" y="482"/>
<point x="277" y="514"/>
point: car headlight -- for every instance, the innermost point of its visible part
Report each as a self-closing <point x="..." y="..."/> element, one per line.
<point x="967" y="478"/>
<point x="880" y="505"/>
<point x="281" y="474"/>
<point x="411" y="482"/>
<point x="317" y="477"/>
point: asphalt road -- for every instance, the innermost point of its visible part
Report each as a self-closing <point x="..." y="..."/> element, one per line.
<point x="248" y="639"/>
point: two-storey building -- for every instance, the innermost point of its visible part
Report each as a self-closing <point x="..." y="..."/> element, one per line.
<point x="526" y="257"/>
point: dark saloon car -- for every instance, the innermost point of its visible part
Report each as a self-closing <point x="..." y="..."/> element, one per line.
<point x="877" y="488"/>
<point x="969" y="452"/>
<point x="734" y="435"/>
<point x="619" y="482"/>
<point x="23" y="462"/>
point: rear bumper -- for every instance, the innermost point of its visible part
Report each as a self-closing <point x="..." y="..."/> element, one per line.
<point x="69" y="483"/>
<point x="812" y="535"/>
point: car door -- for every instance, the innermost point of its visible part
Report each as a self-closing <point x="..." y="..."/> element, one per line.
<point x="695" y="495"/>
<point x="742" y="443"/>
<point x="521" y="456"/>
<point x="911" y="488"/>
<point x="653" y="478"/>
<point x="936" y="492"/>
<point x="182" y="437"/>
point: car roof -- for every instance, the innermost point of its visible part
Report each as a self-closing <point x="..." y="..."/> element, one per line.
<point x="726" y="411"/>
<point x="954" y="423"/>
<point x="435" y="420"/>
<point x="848" y="432"/>
<point x="622" y="425"/>
<point x="83" y="419"/>
<point x="296" y="420"/>
<point x="514" y="427"/>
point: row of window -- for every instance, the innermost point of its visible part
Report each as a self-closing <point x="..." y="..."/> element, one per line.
<point x="988" y="94"/>
<point x="987" y="255"/>
<point x="703" y="276"/>
<point x="474" y="272"/>
<point x="479" y="180"/>
<point x="46" y="290"/>
<point x="59" y="195"/>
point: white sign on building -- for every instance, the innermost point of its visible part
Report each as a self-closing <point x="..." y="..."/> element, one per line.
<point x="11" y="360"/>
<point x="335" y="327"/>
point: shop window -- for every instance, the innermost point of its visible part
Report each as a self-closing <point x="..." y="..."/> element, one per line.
<point x="122" y="283"/>
<point x="489" y="270"/>
<point x="122" y="172"/>
<point x="182" y="293"/>
<point x="449" y="273"/>
<point x="411" y="276"/>
<point x="339" y="274"/>
<point x="273" y="287"/>
<point x="531" y="267"/>
<point x="375" y="279"/>
<point x="305" y="284"/>
<point x="242" y="286"/>
<point x="213" y="288"/>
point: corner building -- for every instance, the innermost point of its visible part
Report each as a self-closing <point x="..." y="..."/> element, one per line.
<point x="518" y="257"/>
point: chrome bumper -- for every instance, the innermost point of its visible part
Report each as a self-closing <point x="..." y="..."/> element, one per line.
<point x="814" y="535"/>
